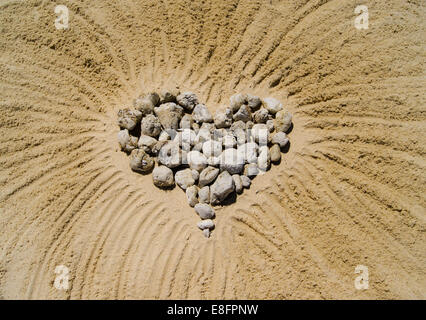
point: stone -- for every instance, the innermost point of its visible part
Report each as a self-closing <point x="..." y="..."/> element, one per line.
<point x="184" y="178"/>
<point x="163" y="177"/>
<point x="187" y="100"/>
<point x="170" y="155"/>
<point x="229" y="141"/>
<point x="231" y="161"/>
<point x="245" y="181"/>
<point x="128" y="119"/>
<point x="221" y="188"/>
<point x="146" y="143"/>
<point x="197" y="160"/>
<point x="195" y="175"/>
<point x="204" y="194"/>
<point x="198" y="147"/>
<point x="241" y="136"/>
<point x="206" y="224"/>
<point x="283" y="121"/>
<point x="204" y="211"/>
<point x="248" y="152"/>
<point x="169" y="95"/>
<point x="126" y="141"/>
<point x="280" y="138"/>
<point x="238" y="183"/>
<point x="213" y="161"/>
<point x="169" y="115"/>
<point x="212" y="148"/>
<point x="210" y="127"/>
<point x="147" y="103"/>
<point x="186" y="122"/>
<point x="243" y="114"/>
<point x="270" y="125"/>
<point x="237" y="100"/>
<point x="275" y="153"/>
<point x="151" y="126"/>
<point x="253" y="102"/>
<point x="264" y="158"/>
<point x="140" y="161"/>
<point x="261" y="116"/>
<point x="272" y="105"/>
<point x="206" y="233"/>
<point x="164" y="136"/>
<point x="191" y="195"/>
<point x="188" y="136"/>
<point x="238" y="125"/>
<point x="249" y="125"/>
<point x="201" y="114"/>
<point x="207" y="176"/>
<point x="156" y="149"/>
<point x="251" y="170"/>
<point x="223" y="118"/>
<point x="260" y="134"/>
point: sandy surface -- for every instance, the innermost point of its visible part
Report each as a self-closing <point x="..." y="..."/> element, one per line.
<point x="350" y="191"/>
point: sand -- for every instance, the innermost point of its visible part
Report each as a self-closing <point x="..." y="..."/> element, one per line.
<point x="350" y="191"/>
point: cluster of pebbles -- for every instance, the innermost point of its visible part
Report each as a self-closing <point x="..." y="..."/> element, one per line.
<point x="175" y="137"/>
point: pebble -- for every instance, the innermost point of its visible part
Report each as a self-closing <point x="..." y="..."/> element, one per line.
<point x="206" y="224"/>
<point x="253" y="102"/>
<point x="191" y="195"/>
<point x="204" y="194"/>
<point x="238" y="183"/>
<point x="229" y="141"/>
<point x="151" y="126"/>
<point x="275" y="153"/>
<point x="231" y="161"/>
<point x="170" y="155"/>
<point x="243" y="114"/>
<point x="223" y="118"/>
<point x="169" y="114"/>
<point x="163" y="177"/>
<point x="261" y="116"/>
<point x="186" y="122"/>
<point x="196" y="160"/>
<point x="128" y="119"/>
<point x="221" y="188"/>
<point x="201" y="114"/>
<point x="204" y="211"/>
<point x="208" y="175"/>
<point x="272" y="105"/>
<point x="184" y="178"/>
<point x="187" y="100"/>
<point x="146" y="143"/>
<point x="264" y="158"/>
<point x="140" y="161"/>
<point x="195" y="175"/>
<point x="147" y="103"/>
<point x="212" y="148"/>
<point x="251" y="170"/>
<point x="169" y="95"/>
<point x="283" y="121"/>
<point x="206" y="233"/>
<point x="280" y="138"/>
<point x="245" y="181"/>
<point x="270" y="125"/>
<point x="237" y="100"/>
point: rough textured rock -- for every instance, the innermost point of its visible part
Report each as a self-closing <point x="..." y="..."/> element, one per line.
<point x="191" y="195"/>
<point x="163" y="177"/>
<point x="223" y="118"/>
<point x="241" y="136"/>
<point x="261" y="116"/>
<point x="147" y="103"/>
<point x="253" y="102"/>
<point x="187" y="100"/>
<point x="169" y="115"/>
<point x="260" y="134"/>
<point x="272" y="105"/>
<point x="206" y="224"/>
<point x="245" y="181"/>
<point x="221" y="188"/>
<point x="251" y="170"/>
<point x="204" y="194"/>
<point x="140" y="161"/>
<point x="195" y="175"/>
<point x="206" y="233"/>
<point x="201" y="114"/>
<point x="270" y="125"/>
<point x="204" y="211"/>
<point x="264" y="158"/>
<point x="146" y="143"/>
<point x="238" y="183"/>
<point x="238" y="125"/>
<point x="126" y="141"/>
<point x="283" y="121"/>
<point x="169" y="95"/>
<point x="237" y="100"/>
<point x="229" y="141"/>
<point x="164" y="136"/>
<point x="213" y="161"/>
<point x="212" y="148"/>
<point x="280" y="138"/>
<point x="186" y="122"/>
<point x="243" y="114"/>
<point x="128" y="119"/>
<point x="197" y="160"/>
<point x="170" y="155"/>
<point x="184" y="178"/>
<point x="231" y="161"/>
<point x="207" y="176"/>
<point x="275" y="153"/>
<point x="151" y="126"/>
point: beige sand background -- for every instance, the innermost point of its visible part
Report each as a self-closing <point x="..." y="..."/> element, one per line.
<point x="350" y="191"/>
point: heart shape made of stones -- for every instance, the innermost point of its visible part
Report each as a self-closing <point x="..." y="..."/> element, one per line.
<point x="176" y="138"/>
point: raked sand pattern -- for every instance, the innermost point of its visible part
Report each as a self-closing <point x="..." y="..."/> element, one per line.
<point x="350" y="191"/>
